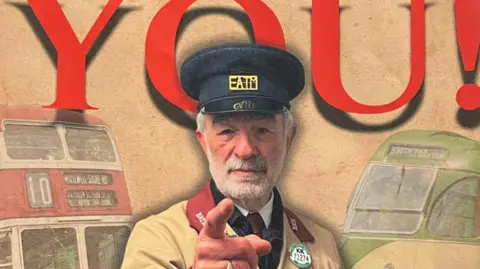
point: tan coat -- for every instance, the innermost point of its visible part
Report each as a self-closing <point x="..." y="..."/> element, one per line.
<point x="168" y="240"/>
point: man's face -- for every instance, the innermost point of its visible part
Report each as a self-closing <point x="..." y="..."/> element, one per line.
<point x="246" y="152"/>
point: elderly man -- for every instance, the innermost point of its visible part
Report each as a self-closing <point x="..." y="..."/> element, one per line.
<point x="237" y="220"/>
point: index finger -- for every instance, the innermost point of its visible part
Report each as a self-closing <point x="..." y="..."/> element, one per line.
<point x="216" y="220"/>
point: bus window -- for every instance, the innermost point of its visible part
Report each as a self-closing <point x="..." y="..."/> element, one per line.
<point x="50" y="248"/>
<point x="106" y="246"/>
<point x="5" y="251"/>
<point x="89" y="145"/>
<point x="392" y="199"/>
<point x="457" y="212"/>
<point x="33" y="142"/>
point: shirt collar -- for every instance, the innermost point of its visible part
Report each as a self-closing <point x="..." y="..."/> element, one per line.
<point x="265" y="212"/>
<point x="275" y="217"/>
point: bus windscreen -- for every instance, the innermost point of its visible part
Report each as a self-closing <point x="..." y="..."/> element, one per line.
<point x="89" y="145"/>
<point x="50" y="248"/>
<point x="32" y="142"/>
<point x="44" y="142"/>
<point x="106" y="246"/>
<point x="456" y="213"/>
<point x="5" y="251"/>
<point x="392" y="199"/>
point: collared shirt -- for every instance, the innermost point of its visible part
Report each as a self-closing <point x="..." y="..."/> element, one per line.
<point x="265" y="212"/>
<point x="273" y="232"/>
<point x="238" y="218"/>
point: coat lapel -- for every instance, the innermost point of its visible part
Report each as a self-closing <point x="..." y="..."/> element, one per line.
<point x="198" y="208"/>
<point x="294" y="233"/>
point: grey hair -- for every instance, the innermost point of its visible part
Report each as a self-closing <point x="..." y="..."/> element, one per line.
<point x="287" y="117"/>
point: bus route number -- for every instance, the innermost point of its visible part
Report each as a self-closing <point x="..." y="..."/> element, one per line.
<point x="39" y="190"/>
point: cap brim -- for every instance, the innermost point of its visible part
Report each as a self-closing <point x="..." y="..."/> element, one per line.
<point x="243" y="104"/>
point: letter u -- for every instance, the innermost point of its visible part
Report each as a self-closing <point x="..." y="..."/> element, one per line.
<point x="326" y="58"/>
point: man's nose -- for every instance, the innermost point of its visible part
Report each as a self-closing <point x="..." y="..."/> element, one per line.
<point x="245" y="148"/>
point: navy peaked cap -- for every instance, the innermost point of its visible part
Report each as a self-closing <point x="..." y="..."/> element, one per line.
<point x="242" y="77"/>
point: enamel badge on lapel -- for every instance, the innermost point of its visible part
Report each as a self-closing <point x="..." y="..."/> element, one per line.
<point x="300" y="256"/>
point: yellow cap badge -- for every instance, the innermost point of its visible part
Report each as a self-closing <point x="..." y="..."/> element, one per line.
<point x="243" y="83"/>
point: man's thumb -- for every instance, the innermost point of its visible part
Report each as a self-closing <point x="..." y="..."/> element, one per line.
<point x="262" y="247"/>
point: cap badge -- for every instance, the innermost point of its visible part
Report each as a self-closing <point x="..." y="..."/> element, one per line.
<point x="243" y="83"/>
<point x="244" y="105"/>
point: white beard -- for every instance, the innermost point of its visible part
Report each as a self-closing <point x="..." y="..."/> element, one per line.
<point x="246" y="187"/>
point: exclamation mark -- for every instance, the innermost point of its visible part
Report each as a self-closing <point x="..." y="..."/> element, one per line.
<point x="467" y="16"/>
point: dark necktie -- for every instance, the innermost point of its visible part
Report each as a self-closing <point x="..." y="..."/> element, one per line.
<point x="256" y="223"/>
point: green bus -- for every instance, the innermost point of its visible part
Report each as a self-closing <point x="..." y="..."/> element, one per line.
<point x="416" y="205"/>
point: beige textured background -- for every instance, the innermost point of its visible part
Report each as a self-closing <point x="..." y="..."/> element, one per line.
<point x="162" y="161"/>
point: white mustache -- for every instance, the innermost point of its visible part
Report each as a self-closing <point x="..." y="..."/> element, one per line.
<point x="256" y="164"/>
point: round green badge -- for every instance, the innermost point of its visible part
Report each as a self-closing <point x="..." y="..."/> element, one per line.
<point x="300" y="256"/>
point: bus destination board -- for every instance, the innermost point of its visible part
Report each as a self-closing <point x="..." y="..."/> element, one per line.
<point x="418" y="152"/>
<point x="88" y="179"/>
<point x="91" y="198"/>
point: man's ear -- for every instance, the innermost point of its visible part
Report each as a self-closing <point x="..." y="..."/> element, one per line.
<point x="201" y="139"/>
<point x="291" y="135"/>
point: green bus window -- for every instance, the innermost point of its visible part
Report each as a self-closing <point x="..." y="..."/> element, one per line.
<point x="456" y="213"/>
<point x="106" y="246"/>
<point x="89" y="145"/>
<point x="5" y="251"/>
<point x="33" y="142"/>
<point x="50" y="248"/>
<point x="392" y="199"/>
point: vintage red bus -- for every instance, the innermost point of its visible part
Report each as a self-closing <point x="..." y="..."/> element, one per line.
<point x="64" y="203"/>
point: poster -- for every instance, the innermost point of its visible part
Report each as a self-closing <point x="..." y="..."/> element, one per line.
<point x="80" y="180"/>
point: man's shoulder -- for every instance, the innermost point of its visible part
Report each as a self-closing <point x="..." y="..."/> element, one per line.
<point x="174" y="215"/>
<point x="170" y="227"/>
<point x="314" y="228"/>
<point x="161" y="240"/>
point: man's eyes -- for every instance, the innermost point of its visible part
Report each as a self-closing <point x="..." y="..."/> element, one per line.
<point x="226" y="131"/>
<point x="263" y="130"/>
<point x="260" y="130"/>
